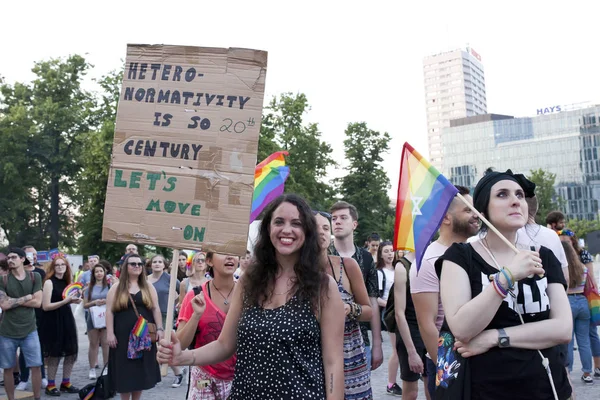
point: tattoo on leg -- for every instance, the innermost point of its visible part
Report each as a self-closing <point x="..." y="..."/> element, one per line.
<point x="331" y="383"/>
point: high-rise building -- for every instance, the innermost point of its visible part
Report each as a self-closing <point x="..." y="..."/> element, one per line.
<point x="565" y="143"/>
<point x="454" y="88"/>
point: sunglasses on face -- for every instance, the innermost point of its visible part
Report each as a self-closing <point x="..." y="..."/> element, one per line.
<point x="134" y="264"/>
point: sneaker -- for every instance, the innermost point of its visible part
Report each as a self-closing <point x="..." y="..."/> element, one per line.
<point x="394" y="390"/>
<point x="92" y="374"/>
<point x="587" y="379"/>
<point x="177" y="381"/>
<point x="44" y="383"/>
<point x="596" y="372"/>
<point x="22" y="386"/>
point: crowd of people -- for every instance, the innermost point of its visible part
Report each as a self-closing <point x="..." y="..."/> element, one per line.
<point x="486" y="314"/>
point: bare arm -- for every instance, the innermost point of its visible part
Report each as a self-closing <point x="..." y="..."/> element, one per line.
<point x="533" y="335"/>
<point x="110" y="317"/>
<point x="36" y="300"/>
<point x="426" y="307"/>
<point x="47" y="304"/>
<point x="359" y="290"/>
<point x="332" y="340"/>
<point x="8" y="303"/>
<point x="400" y="308"/>
<point x="222" y="348"/>
<point x="186" y="330"/>
<point x="466" y="317"/>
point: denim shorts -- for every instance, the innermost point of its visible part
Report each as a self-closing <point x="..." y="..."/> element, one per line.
<point x="30" y="347"/>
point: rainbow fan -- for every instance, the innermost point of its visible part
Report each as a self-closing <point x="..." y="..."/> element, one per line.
<point x="188" y="263"/>
<point x="73" y="288"/>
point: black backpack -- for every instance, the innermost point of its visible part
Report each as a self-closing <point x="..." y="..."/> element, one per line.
<point x="389" y="315"/>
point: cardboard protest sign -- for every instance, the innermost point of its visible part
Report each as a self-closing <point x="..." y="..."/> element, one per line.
<point x="185" y="146"/>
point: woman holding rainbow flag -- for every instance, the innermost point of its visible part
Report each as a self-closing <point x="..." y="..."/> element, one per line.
<point x="132" y="365"/>
<point x="286" y="317"/>
<point x="505" y="313"/>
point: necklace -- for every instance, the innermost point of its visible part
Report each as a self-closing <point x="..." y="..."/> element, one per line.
<point x="226" y="299"/>
<point x="290" y="285"/>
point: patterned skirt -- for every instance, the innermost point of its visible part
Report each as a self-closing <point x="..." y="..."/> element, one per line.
<point x="204" y="386"/>
<point x="356" y="375"/>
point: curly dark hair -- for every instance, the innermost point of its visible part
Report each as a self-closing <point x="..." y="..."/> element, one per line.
<point x="311" y="280"/>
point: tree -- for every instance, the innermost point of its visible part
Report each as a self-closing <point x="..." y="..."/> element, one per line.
<point x="93" y="179"/>
<point x="283" y="129"/>
<point x="545" y="193"/>
<point x="48" y="117"/>
<point x="366" y="183"/>
<point x="582" y="227"/>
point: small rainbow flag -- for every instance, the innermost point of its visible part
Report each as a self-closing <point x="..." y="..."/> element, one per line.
<point x="140" y="329"/>
<point x="424" y="195"/>
<point x="269" y="181"/>
<point x="72" y="289"/>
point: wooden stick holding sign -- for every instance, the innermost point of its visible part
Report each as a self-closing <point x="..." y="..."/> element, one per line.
<point x="171" y="305"/>
<point x="489" y="225"/>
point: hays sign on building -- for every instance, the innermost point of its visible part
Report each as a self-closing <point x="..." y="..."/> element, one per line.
<point x="549" y="110"/>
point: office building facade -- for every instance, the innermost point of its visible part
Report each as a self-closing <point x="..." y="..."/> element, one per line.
<point x="565" y="143"/>
<point x="454" y="88"/>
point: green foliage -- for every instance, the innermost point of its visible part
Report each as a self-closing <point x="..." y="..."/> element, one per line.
<point x="44" y="121"/>
<point x="366" y="183"/>
<point x="93" y="179"/>
<point x="545" y="193"/>
<point x="283" y="129"/>
<point x="582" y="227"/>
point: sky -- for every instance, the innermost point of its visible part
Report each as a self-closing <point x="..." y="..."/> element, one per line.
<point x="355" y="61"/>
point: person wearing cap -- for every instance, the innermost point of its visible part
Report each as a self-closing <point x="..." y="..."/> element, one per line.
<point x="503" y="311"/>
<point x="31" y="254"/>
<point x="20" y="294"/>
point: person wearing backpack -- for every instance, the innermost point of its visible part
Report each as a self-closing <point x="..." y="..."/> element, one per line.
<point x="20" y="294"/>
<point x="200" y="321"/>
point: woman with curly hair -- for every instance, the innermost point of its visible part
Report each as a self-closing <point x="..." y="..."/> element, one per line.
<point x="286" y="317"/>
<point x="58" y="329"/>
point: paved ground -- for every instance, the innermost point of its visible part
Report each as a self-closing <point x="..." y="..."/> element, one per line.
<point x="379" y="378"/>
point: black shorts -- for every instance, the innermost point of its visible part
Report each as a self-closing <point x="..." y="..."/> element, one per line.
<point x="405" y="373"/>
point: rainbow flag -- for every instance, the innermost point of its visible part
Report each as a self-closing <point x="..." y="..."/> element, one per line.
<point x="140" y="329"/>
<point x="424" y="195"/>
<point x="269" y="180"/>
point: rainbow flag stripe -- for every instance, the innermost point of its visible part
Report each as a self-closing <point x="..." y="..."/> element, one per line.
<point x="140" y="329"/>
<point x="424" y="195"/>
<point x="269" y="181"/>
<point x="90" y="394"/>
<point x="594" y="303"/>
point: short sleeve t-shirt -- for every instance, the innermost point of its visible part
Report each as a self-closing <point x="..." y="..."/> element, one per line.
<point x="19" y="322"/>
<point x="209" y="328"/>
<point x="513" y="372"/>
<point x="162" y="286"/>
<point x="426" y="280"/>
<point x="537" y="235"/>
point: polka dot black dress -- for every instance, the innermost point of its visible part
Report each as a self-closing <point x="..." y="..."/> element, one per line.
<point x="279" y="354"/>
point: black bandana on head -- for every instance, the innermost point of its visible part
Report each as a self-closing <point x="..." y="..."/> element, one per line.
<point x="481" y="195"/>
